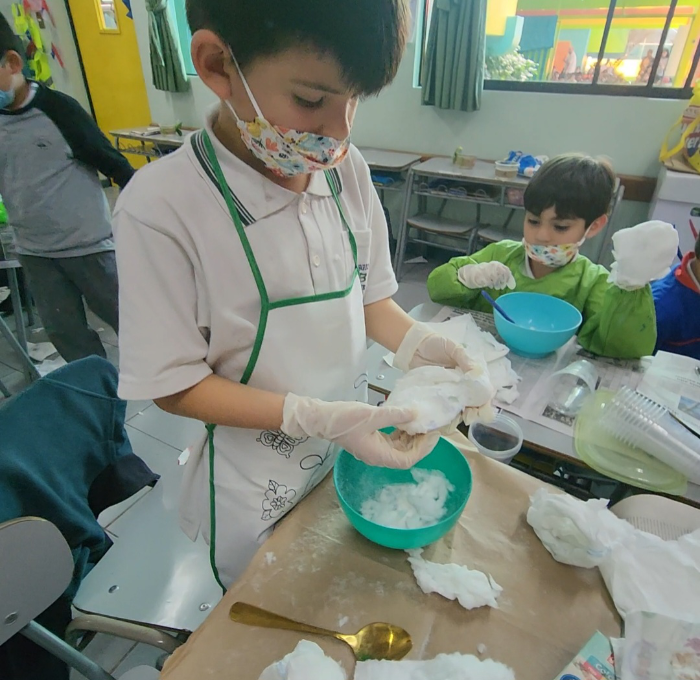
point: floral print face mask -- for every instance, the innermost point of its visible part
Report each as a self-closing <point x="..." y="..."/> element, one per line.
<point x="554" y="256"/>
<point x="286" y="152"/>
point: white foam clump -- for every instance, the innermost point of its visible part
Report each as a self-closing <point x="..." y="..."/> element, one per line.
<point x="438" y="395"/>
<point x="442" y="667"/>
<point x="306" y="662"/>
<point x="410" y="506"/>
<point x="469" y="587"/>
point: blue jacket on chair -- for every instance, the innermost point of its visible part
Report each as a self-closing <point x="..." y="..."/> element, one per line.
<point x="65" y="456"/>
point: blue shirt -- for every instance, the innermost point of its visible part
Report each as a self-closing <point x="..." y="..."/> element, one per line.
<point x="677" y="301"/>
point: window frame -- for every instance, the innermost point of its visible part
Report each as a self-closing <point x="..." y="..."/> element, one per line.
<point x="184" y="36"/>
<point x="648" y="91"/>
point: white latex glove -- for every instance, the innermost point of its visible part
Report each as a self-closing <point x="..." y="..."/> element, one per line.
<point x="422" y="346"/>
<point x="354" y="426"/>
<point x="642" y="254"/>
<point x="486" y="275"/>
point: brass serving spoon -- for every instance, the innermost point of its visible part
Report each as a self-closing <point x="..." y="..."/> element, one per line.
<point x="375" y="641"/>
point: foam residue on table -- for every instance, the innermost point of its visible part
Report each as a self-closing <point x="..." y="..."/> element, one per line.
<point x="469" y="587"/>
<point x="410" y="506"/>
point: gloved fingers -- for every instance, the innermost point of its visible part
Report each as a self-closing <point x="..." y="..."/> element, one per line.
<point x="485" y="414"/>
<point x="390" y="416"/>
<point x="398" y="450"/>
<point x="462" y="360"/>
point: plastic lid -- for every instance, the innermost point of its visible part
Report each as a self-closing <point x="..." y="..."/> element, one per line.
<point x="610" y="457"/>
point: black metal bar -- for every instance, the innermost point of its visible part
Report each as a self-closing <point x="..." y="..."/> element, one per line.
<point x="662" y="43"/>
<point x="693" y="67"/>
<point x="581" y="88"/>
<point x="80" y="58"/>
<point x="604" y="41"/>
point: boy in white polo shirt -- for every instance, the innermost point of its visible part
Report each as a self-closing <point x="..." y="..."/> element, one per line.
<point x="254" y="263"/>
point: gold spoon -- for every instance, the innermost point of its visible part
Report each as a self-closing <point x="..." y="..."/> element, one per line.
<point x="375" y="641"/>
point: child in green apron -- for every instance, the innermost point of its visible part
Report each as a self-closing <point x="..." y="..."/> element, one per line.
<point x="567" y="203"/>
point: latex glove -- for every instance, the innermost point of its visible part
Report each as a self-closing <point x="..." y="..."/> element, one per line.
<point x="486" y="275"/>
<point x="643" y="254"/>
<point x="422" y="346"/>
<point x="354" y="426"/>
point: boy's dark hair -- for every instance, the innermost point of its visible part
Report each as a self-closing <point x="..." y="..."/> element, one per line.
<point x="9" y="42"/>
<point x="576" y="186"/>
<point x="367" y="37"/>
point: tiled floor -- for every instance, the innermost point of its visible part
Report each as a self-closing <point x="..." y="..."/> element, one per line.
<point x="159" y="437"/>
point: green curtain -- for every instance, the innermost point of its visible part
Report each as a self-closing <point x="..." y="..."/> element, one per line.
<point x="166" y="62"/>
<point x="453" y="75"/>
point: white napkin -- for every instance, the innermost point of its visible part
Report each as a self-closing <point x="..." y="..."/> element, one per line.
<point x="641" y="571"/>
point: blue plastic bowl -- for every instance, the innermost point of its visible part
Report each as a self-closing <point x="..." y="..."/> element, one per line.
<point x="542" y="323"/>
<point x="356" y="481"/>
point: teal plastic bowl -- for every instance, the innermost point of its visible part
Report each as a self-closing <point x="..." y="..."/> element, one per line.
<point x="542" y="323"/>
<point x="356" y="481"/>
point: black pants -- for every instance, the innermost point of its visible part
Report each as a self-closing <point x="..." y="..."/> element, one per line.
<point x="59" y="286"/>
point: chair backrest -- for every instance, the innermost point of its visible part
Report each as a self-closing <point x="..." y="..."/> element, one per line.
<point x="659" y="515"/>
<point x="36" y="567"/>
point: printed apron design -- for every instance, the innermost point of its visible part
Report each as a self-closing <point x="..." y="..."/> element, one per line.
<point x="312" y="346"/>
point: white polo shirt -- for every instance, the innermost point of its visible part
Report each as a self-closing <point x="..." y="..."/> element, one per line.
<point x="188" y="302"/>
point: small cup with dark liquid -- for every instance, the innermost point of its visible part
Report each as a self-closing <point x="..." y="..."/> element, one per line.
<point x="500" y="439"/>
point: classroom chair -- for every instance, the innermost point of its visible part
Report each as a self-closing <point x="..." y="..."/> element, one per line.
<point x="658" y="515"/>
<point x="154" y="586"/>
<point x="36" y="567"/>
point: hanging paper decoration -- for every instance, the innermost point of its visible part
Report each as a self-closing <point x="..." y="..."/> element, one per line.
<point x="57" y="55"/>
<point x="127" y="3"/>
<point x="37" y="60"/>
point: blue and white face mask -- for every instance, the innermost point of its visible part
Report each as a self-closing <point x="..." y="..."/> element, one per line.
<point x="7" y="97"/>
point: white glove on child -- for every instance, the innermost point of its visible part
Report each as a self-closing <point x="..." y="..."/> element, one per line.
<point x="422" y="346"/>
<point x="354" y="426"/>
<point x="642" y="254"/>
<point x="486" y="275"/>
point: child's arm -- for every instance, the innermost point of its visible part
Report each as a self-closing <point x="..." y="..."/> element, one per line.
<point x="617" y="323"/>
<point x="444" y="285"/>
<point x="87" y="142"/>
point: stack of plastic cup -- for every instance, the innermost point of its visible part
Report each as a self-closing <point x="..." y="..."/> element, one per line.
<point x="638" y="421"/>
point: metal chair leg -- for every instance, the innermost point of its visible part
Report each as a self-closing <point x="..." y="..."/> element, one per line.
<point x="53" y="644"/>
<point x="123" y="629"/>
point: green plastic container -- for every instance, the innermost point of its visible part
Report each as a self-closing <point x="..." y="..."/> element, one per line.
<point x="356" y="481"/>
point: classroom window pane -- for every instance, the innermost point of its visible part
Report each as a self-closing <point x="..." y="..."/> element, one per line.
<point x="560" y="41"/>
<point x="636" y="37"/>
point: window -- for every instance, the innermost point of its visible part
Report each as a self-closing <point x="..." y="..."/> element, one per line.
<point x="107" y="16"/>
<point x="184" y="36"/>
<point x="623" y="47"/>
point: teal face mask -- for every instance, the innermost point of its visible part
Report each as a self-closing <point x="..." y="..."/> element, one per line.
<point x="7" y="98"/>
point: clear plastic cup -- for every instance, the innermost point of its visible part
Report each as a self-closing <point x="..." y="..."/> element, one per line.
<point x="638" y="421"/>
<point x="571" y="386"/>
<point x="500" y="439"/>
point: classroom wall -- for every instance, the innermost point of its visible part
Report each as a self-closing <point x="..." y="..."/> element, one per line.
<point x="68" y="79"/>
<point x="629" y="130"/>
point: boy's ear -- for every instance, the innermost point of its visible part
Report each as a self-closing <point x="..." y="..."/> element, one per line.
<point x="14" y="61"/>
<point x="211" y="60"/>
<point x="597" y="226"/>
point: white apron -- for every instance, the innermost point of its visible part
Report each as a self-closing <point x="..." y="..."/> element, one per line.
<point x="313" y="346"/>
